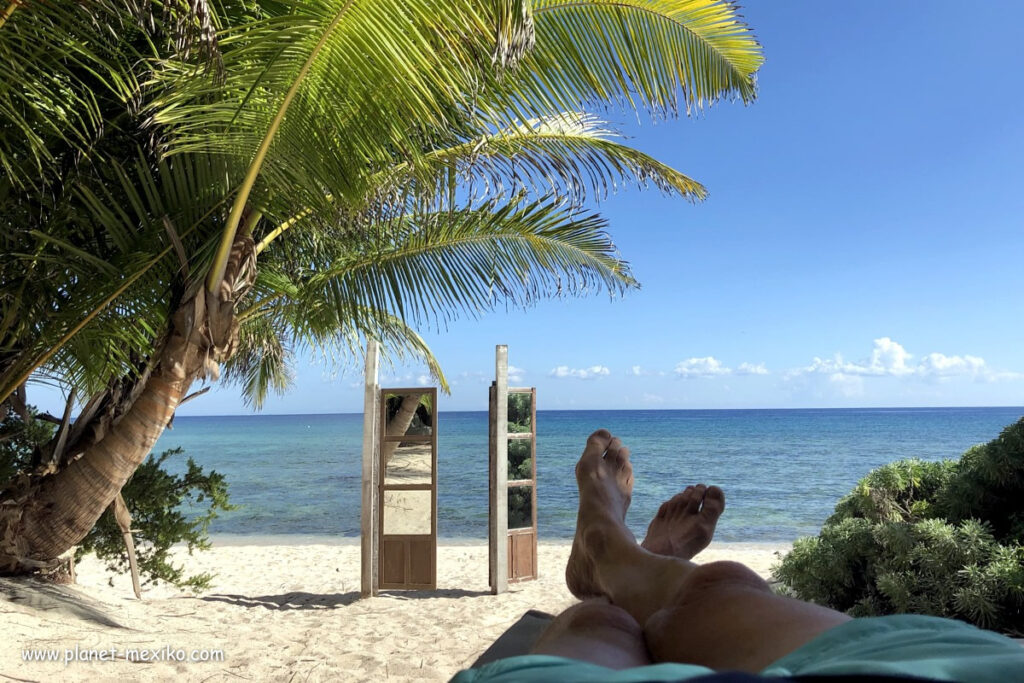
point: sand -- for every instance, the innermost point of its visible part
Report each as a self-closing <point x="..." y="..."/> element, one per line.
<point x="283" y="612"/>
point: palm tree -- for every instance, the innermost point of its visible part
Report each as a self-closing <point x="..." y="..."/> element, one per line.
<point x="387" y="163"/>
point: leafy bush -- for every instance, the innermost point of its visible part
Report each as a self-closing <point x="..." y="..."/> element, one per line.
<point x="520" y="412"/>
<point x="154" y="498"/>
<point x="520" y="462"/>
<point x="940" y="538"/>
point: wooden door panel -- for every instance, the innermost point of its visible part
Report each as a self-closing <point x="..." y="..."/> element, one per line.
<point x="407" y="500"/>
<point x="421" y="565"/>
<point x="392" y="562"/>
<point x="522" y="557"/>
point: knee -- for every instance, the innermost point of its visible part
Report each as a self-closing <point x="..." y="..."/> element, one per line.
<point x="600" y="615"/>
<point x="716" y="588"/>
<point x="712" y="579"/>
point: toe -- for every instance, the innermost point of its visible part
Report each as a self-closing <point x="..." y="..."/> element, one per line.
<point x="617" y="454"/>
<point x="681" y="501"/>
<point x="714" y="503"/>
<point x="596" y="446"/>
<point x="693" y="504"/>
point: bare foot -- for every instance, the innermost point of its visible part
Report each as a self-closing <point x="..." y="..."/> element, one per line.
<point x="605" y="480"/>
<point x="685" y="523"/>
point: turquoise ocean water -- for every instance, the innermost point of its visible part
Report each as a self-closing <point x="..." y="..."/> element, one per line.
<point x="782" y="470"/>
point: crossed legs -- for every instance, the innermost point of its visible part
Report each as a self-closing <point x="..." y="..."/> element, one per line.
<point x="647" y="602"/>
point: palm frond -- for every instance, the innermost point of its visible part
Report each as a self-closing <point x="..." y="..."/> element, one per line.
<point x="287" y="315"/>
<point x="329" y="81"/>
<point x="435" y="265"/>
<point x="658" y="55"/>
<point x="112" y="274"/>
<point x="60" y="60"/>
<point x="572" y="155"/>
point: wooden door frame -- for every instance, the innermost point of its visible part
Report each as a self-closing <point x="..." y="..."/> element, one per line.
<point x="532" y="481"/>
<point x="382" y="486"/>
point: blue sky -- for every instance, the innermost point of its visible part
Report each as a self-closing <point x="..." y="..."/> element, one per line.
<point x="862" y="244"/>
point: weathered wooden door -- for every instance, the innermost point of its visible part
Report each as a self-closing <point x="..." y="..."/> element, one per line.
<point x="408" y="489"/>
<point x="522" y="484"/>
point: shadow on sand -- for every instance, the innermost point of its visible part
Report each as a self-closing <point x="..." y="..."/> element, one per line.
<point x="301" y="600"/>
<point x="59" y="600"/>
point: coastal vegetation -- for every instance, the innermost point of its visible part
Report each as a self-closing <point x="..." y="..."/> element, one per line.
<point x="166" y="509"/>
<point x="940" y="538"/>
<point x="200" y="188"/>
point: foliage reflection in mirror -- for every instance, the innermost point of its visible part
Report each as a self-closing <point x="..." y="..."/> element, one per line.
<point x="409" y="414"/>
<point x="520" y="507"/>
<point x="520" y="460"/>
<point x="520" y="413"/>
<point x="409" y="463"/>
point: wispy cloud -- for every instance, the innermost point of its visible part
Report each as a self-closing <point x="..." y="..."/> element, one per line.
<point x="890" y="359"/>
<point x="593" y="372"/>
<point x="515" y="375"/>
<point x="751" y="369"/>
<point x="709" y="366"/>
<point x="640" y="371"/>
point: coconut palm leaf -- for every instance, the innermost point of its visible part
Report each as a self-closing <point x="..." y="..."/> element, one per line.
<point x="643" y="54"/>
<point x="283" y="319"/>
<point x="572" y="155"/>
<point x="113" y="290"/>
<point x="66" y="64"/>
<point x="328" y="82"/>
<point x="433" y="265"/>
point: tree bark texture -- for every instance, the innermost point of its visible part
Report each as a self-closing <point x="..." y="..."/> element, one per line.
<point x="43" y="516"/>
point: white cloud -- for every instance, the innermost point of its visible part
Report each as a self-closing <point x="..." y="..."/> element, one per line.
<point x="708" y="366"/>
<point x="593" y="372"/>
<point x="889" y="359"/>
<point x="640" y="371"/>
<point x="515" y="375"/>
<point x="847" y="385"/>
<point x="653" y="398"/>
<point x="941" y="365"/>
<point x="423" y="380"/>
<point x="751" y="369"/>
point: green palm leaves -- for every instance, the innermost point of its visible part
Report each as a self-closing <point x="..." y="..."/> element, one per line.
<point x="397" y="161"/>
<point x="650" y="54"/>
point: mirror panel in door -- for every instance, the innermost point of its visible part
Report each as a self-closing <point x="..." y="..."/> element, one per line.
<point x="407" y="513"/>
<point x="520" y="412"/>
<point x="520" y="507"/>
<point x="408" y="414"/>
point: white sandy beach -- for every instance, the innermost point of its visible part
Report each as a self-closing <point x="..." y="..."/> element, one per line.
<point x="285" y="613"/>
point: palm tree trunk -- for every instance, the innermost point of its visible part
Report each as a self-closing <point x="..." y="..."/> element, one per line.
<point x="399" y="424"/>
<point x="43" y="517"/>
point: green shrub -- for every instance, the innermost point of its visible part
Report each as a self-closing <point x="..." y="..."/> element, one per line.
<point x="520" y="412"/>
<point x="939" y="538"/>
<point x="154" y="498"/>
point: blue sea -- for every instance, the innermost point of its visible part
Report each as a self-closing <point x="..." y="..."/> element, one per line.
<point x="782" y="470"/>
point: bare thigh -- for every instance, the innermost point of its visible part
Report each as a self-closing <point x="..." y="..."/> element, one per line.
<point x="597" y="632"/>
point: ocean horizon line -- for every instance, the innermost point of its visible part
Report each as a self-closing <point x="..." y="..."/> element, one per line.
<point x="263" y="539"/>
<point x="647" y="410"/>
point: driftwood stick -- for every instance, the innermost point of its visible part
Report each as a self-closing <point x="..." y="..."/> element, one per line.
<point x="194" y="394"/>
<point x="124" y="521"/>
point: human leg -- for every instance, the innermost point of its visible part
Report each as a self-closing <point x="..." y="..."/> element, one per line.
<point x="719" y="615"/>
<point x="598" y="632"/>
<point x="594" y="630"/>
